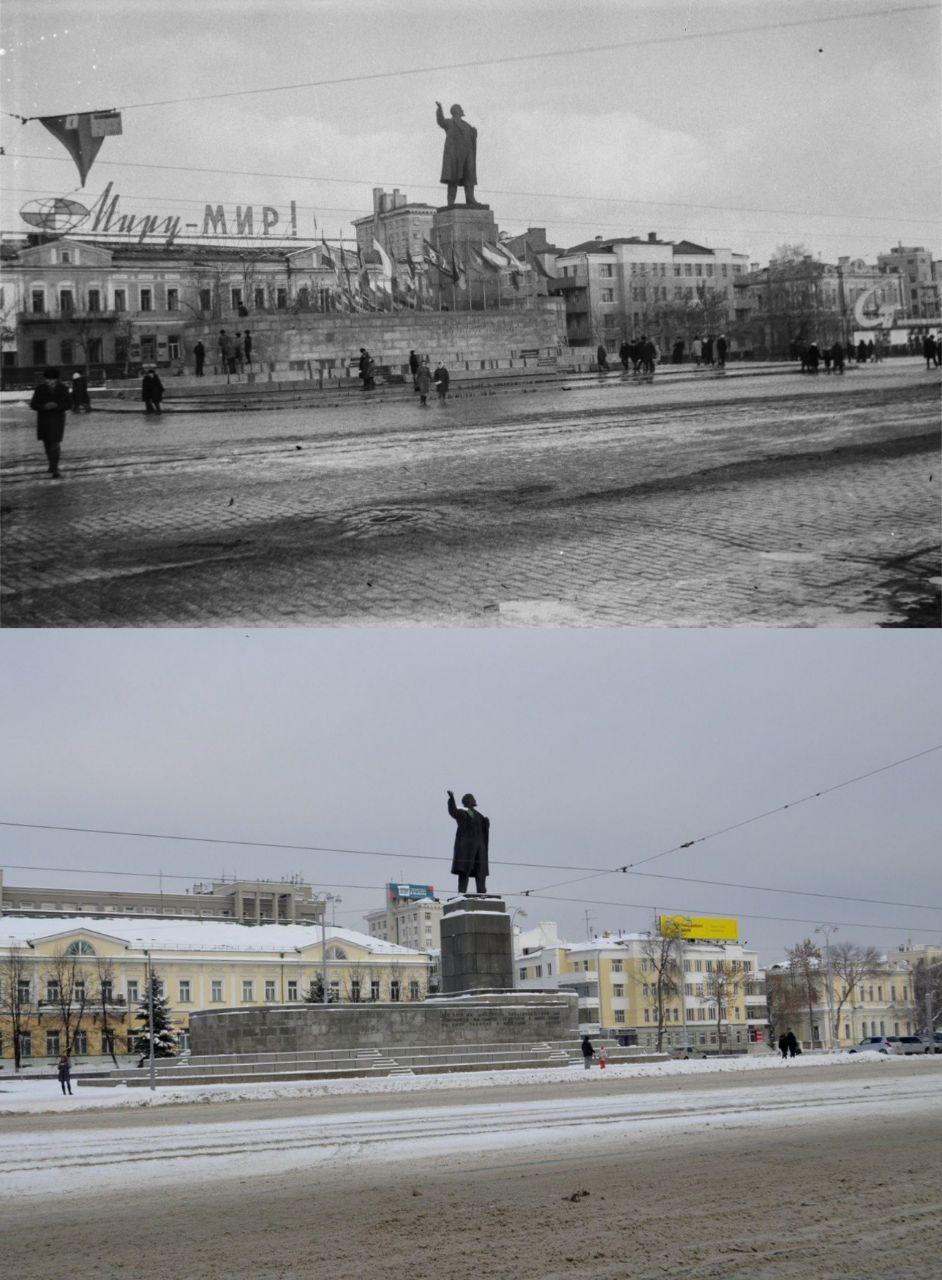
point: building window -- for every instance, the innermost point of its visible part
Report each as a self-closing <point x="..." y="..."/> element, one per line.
<point x="206" y="300"/>
<point x="355" y="991"/>
<point x="39" y="351"/>
<point x="94" y="350"/>
<point x="414" y="990"/>
<point x="292" y="989"/>
<point x="236" y="299"/>
<point x="523" y="975"/>
<point x="52" y="1044"/>
<point x="80" y="1044"/>
<point x="38" y="304"/>
<point x="67" y="351"/>
<point x="259" y="299"/>
<point x="606" y="270"/>
<point x="66" y="301"/>
<point x="549" y="970"/>
<point x="616" y="966"/>
<point x="120" y="299"/>
<point x="608" y="295"/>
<point x="173" y="346"/>
<point x="26" y="1044"/>
<point x="374" y="989"/>
<point x="619" y="1015"/>
<point x="147" y="299"/>
<point x="173" y="299"/>
<point x="281" y="299"/>
<point x="333" y="993"/>
<point x="94" y="300"/>
<point x="107" y="1042"/>
<point x="618" y="990"/>
<point x="248" y="989"/>
<point x="23" y="993"/>
<point x="270" y="989"/>
<point x="394" y="990"/>
<point x="132" y="991"/>
<point x="647" y="1015"/>
<point x="66" y="256"/>
<point x="184" y="991"/>
<point x="538" y="971"/>
<point x="215" y="990"/>
<point x="688" y="269"/>
<point x="107" y="991"/>
<point x="52" y="991"/>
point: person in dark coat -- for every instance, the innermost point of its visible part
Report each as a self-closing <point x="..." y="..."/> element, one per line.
<point x="928" y="350"/>
<point x="460" y="157"/>
<point x="81" y="401"/>
<point x="783" y="1045"/>
<point x="721" y="348"/>
<point x="366" y="367"/>
<point x="588" y="1053"/>
<point x="624" y="355"/>
<point x="813" y="357"/>
<point x="793" y="1046"/>
<point x="199" y="356"/>
<point x="50" y="400"/>
<point x="423" y="381"/>
<point x="861" y="352"/>
<point x="247" y="347"/>
<point x="471" y="842"/>
<point x="64" y="1072"/>
<point x="441" y="380"/>
<point x="152" y="391"/>
<point x="708" y="349"/>
<point x="601" y="357"/>
<point x="837" y="357"/>
<point x="414" y="369"/>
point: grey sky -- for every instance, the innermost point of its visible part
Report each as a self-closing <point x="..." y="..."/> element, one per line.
<point x="592" y="748"/>
<point x="840" y="117"/>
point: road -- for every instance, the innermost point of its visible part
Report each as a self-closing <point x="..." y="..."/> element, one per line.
<point x="818" y="1173"/>
<point x="783" y="500"/>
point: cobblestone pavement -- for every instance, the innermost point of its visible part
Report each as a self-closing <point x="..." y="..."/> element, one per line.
<point x="785" y="501"/>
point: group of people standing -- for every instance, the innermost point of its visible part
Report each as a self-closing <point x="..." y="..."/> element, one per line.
<point x="641" y="355"/>
<point x="235" y="352"/>
<point x="709" y="349"/>
<point x="831" y="357"/>
<point x="423" y="379"/>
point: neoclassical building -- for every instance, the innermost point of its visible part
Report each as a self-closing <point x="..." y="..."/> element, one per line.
<point x="75" y="985"/>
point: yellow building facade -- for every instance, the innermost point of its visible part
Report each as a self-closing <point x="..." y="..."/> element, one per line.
<point x="75" y="986"/>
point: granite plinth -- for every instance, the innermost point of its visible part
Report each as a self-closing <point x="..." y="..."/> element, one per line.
<point x="457" y="231"/>
<point x="477" y="947"/>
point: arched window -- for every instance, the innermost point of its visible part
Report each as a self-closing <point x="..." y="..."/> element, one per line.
<point x="80" y="948"/>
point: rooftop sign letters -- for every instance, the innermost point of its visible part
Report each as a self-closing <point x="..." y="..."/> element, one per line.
<point x="106" y="218"/>
<point x="410" y="892"/>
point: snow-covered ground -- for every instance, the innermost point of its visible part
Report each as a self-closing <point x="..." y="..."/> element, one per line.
<point x="32" y="1095"/>
<point x="65" y="1161"/>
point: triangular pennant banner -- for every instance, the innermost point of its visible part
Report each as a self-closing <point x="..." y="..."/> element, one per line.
<point x="82" y="135"/>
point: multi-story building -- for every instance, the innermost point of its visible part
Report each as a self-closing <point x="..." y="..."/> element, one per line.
<point x="918" y="279"/>
<point x="115" y="306"/>
<point x="397" y="223"/>
<point x="828" y="1010"/>
<point x="76" y="985"/>
<point x="247" y="901"/>
<point x="616" y="981"/>
<point x="624" y="287"/>
<point x="412" y="917"/>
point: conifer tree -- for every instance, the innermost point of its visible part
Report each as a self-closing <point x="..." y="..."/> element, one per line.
<point x="165" y="1034"/>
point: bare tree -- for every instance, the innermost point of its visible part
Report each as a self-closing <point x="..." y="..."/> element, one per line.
<point x="805" y="959"/>
<point x="104" y="998"/>
<point x="850" y="964"/>
<point x="67" y="992"/>
<point x="663" y="948"/>
<point x="927" y="995"/>
<point x="724" y="984"/>
<point x="16" y="997"/>
<point x="784" y="999"/>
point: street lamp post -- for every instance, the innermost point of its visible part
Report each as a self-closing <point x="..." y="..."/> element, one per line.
<point x="151" y="1068"/>
<point x="827" y="930"/>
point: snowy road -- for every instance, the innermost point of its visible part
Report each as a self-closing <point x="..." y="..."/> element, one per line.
<point x="761" y="1174"/>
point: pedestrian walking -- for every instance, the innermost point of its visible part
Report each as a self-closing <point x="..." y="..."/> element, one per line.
<point x="708" y="349"/>
<point x="928" y="350"/>
<point x="247" y="347"/>
<point x="601" y="359"/>
<point x="783" y="1045"/>
<point x="813" y="357"/>
<point x="696" y="350"/>
<point x="588" y="1053"/>
<point x="677" y="352"/>
<point x="441" y="380"/>
<point x="423" y="380"/>
<point x="366" y="368"/>
<point x="50" y="400"/>
<point x="721" y="349"/>
<point x="64" y="1072"/>
<point x="794" y="1048"/>
<point x="871" y="352"/>
<point x="199" y="356"/>
<point x="649" y="355"/>
<point x="837" y="357"/>
<point x="826" y="357"/>
<point x="624" y="354"/>
<point x="225" y="351"/>
<point x="861" y="352"/>
<point x="602" y="1058"/>
<point x="414" y="369"/>
<point x="81" y="401"/>
<point x="238" y="353"/>
<point x="152" y="391"/>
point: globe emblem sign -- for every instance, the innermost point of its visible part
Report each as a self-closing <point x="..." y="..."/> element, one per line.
<point x="56" y="216"/>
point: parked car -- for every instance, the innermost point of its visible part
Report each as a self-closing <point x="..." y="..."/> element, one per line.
<point x="915" y="1044"/>
<point x="937" y="1042"/>
<point x="877" y="1044"/>
<point x="688" y="1051"/>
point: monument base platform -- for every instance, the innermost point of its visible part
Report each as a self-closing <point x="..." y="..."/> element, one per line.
<point x="477" y="947"/>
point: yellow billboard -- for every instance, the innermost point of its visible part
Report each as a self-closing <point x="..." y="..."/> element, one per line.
<point x="702" y="928"/>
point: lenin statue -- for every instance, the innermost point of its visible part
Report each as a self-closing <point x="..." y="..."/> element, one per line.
<point x="470" y="855"/>
<point x="459" y="162"/>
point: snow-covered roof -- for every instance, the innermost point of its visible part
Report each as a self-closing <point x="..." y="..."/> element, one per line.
<point x="191" y="935"/>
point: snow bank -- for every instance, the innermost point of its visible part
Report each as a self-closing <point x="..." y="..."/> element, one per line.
<point x="27" y="1096"/>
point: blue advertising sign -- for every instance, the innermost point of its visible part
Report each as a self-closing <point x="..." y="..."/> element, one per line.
<point x="410" y="892"/>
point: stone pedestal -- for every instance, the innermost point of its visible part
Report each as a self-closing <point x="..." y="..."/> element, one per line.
<point x="458" y="229"/>
<point x="477" y="946"/>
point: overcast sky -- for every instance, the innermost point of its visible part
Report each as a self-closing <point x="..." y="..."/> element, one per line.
<point x="587" y="748"/>
<point x="824" y="133"/>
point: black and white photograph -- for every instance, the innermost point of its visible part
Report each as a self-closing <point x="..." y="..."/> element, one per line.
<point x="470" y="577"/>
